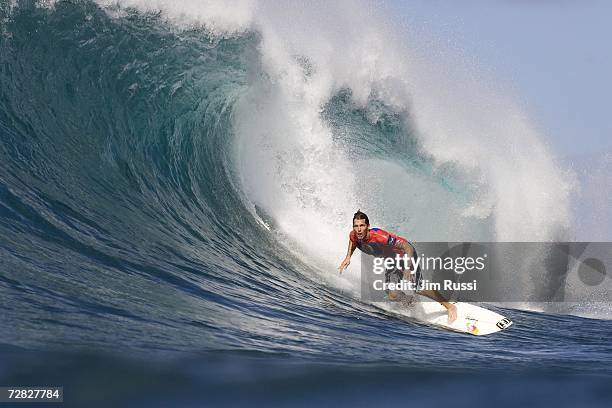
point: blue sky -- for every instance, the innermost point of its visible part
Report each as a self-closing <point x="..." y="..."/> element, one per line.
<point x="557" y="55"/>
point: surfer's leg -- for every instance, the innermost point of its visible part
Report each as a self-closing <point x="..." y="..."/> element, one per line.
<point x="437" y="296"/>
<point x="394" y="276"/>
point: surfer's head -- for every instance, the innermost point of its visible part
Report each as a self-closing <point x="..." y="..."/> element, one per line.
<point x="360" y="224"/>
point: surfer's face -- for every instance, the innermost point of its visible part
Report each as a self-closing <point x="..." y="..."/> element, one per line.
<point x="361" y="228"/>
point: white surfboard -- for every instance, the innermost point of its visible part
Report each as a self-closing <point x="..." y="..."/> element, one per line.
<point x="471" y="319"/>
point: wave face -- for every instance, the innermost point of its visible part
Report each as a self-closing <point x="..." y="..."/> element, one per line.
<point x="184" y="179"/>
<point x="117" y="196"/>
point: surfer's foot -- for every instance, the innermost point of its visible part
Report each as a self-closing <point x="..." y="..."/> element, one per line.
<point x="452" y="312"/>
<point x="396" y="295"/>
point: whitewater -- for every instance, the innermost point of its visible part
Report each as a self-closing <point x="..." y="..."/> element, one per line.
<point x="180" y="177"/>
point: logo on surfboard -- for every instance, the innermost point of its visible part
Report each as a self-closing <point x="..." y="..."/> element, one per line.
<point x="471" y="325"/>
<point x="503" y="323"/>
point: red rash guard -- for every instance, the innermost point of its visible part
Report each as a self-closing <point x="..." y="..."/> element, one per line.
<point x="380" y="243"/>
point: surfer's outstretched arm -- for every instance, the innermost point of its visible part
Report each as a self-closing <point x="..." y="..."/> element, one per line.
<point x="347" y="259"/>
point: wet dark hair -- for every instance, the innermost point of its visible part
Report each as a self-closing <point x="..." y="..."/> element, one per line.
<point x="361" y="216"/>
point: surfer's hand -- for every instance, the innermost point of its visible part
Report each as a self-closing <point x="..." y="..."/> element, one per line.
<point x="344" y="264"/>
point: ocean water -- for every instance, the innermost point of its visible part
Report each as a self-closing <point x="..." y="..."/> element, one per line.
<point x="176" y="186"/>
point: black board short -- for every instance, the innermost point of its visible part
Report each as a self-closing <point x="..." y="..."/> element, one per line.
<point x="396" y="275"/>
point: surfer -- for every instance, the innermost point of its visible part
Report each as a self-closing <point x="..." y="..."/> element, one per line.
<point x="380" y="243"/>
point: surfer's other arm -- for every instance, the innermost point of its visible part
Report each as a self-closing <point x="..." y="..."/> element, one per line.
<point x="347" y="260"/>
